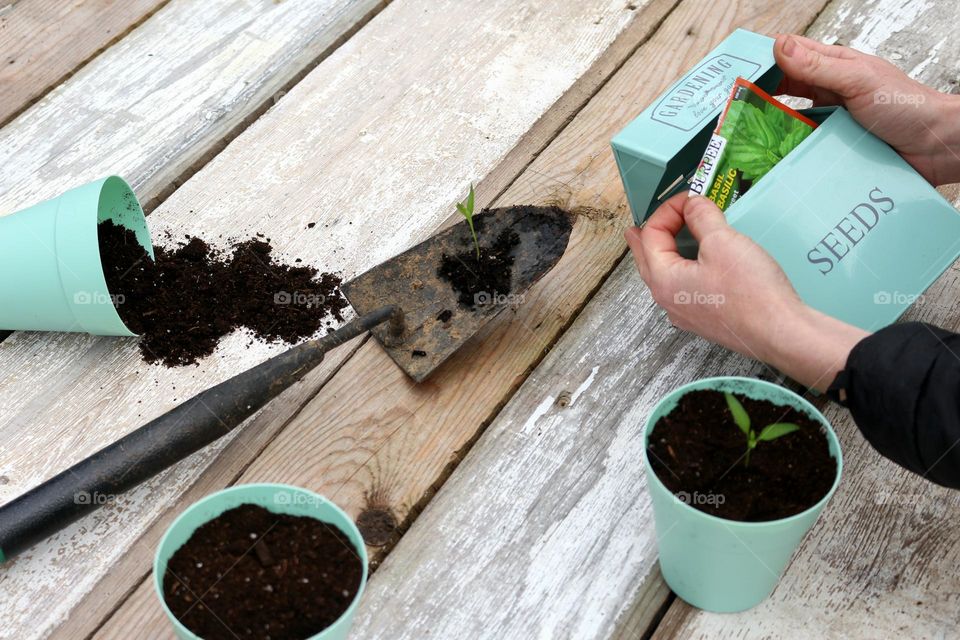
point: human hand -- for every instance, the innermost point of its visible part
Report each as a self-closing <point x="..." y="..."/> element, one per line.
<point x="921" y="123"/>
<point x="735" y="294"/>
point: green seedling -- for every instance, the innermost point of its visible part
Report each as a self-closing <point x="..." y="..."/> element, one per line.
<point x="769" y="432"/>
<point x="466" y="210"/>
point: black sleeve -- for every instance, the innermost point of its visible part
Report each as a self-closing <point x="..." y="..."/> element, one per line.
<point x="902" y="385"/>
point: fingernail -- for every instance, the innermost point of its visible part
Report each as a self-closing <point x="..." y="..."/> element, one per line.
<point x="789" y="46"/>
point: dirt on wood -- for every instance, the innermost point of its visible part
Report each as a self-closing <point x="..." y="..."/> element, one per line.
<point x="191" y="296"/>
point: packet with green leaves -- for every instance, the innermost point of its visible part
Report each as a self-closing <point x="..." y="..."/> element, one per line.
<point x="754" y="133"/>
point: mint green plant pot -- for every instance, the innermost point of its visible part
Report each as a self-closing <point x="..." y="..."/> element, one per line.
<point x="51" y="277"/>
<point x="279" y="498"/>
<point x="724" y="565"/>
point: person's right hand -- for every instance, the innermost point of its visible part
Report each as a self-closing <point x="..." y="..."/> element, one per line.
<point x="922" y="124"/>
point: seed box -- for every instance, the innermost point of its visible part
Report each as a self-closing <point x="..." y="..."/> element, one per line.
<point x="858" y="231"/>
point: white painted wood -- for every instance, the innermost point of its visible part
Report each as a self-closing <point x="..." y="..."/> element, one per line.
<point x="157" y="102"/>
<point x="915" y="35"/>
<point x="375" y="145"/>
<point x="44" y="41"/>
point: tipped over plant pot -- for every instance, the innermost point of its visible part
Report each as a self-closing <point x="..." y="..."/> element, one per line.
<point x="261" y="560"/>
<point x="738" y="471"/>
<point x="52" y="275"/>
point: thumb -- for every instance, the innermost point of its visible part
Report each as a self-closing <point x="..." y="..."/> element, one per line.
<point x="702" y="217"/>
<point x="813" y="65"/>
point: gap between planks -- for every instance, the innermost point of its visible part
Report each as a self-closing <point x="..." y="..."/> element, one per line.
<point x="27" y="91"/>
<point x="229" y="136"/>
<point x="23" y="85"/>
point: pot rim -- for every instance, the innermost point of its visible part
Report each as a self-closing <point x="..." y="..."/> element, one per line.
<point x="713" y="383"/>
<point x="240" y="488"/>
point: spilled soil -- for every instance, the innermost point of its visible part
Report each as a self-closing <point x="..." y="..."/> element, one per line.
<point x="191" y="296"/>
<point x="697" y="451"/>
<point x="251" y="573"/>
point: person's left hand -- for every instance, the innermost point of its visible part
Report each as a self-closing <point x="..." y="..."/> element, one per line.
<point x="735" y="294"/>
<point x="732" y="294"/>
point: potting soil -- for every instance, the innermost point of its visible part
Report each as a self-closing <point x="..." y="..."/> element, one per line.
<point x="252" y="573"/>
<point x="697" y="451"/>
<point x="191" y="296"/>
<point x="485" y="279"/>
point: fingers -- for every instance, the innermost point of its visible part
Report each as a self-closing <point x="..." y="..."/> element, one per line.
<point x="819" y="71"/>
<point x="832" y="50"/>
<point x="654" y="246"/>
<point x="658" y="240"/>
<point x="702" y="217"/>
<point x="632" y="236"/>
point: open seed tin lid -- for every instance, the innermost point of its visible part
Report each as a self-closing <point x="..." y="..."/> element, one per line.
<point x="663" y="145"/>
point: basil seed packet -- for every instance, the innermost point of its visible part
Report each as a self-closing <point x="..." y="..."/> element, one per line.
<point x="754" y="133"/>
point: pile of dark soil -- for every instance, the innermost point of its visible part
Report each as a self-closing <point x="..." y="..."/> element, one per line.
<point x="251" y="573"/>
<point x="697" y="451"/>
<point x="183" y="303"/>
<point x="483" y="280"/>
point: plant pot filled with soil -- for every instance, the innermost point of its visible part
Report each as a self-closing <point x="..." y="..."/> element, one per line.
<point x="50" y="259"/>
<point x="738" y="471"/>
<point x="261" y="561"/>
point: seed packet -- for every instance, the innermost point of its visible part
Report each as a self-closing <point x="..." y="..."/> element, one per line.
<point x="753" y="134"/>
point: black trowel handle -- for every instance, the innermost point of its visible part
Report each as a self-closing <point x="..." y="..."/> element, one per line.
<point x="164" y="441"/>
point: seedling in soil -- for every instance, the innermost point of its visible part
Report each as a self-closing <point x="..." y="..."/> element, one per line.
<point x="769" y="432"/>
<point x="466" y="210"/>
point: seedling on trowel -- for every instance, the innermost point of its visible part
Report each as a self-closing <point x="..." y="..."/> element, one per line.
<point x="466" y="210"/>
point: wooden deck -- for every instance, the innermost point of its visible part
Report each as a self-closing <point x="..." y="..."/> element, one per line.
<point x="512" y="478"/>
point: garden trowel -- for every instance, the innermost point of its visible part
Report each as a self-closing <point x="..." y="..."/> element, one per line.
<point x="415" y="315"/>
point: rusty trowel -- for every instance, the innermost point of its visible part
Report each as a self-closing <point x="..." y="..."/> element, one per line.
<point x="436" y="322"/>
<point x="416" y="316"/>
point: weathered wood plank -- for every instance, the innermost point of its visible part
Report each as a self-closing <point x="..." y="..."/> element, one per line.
<point x="382" y="443"/>
<point x="550" y="506"/>
<point x="346" y="148"/>
<point x="163" y="100"/>
<point x="878" y="562"/>
<point x="42" y="42"/>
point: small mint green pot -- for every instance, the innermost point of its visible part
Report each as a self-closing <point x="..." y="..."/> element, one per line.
<point x="279" y="498"/>
<point x="723" y="565"/>
<point x="52" y="276"/>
